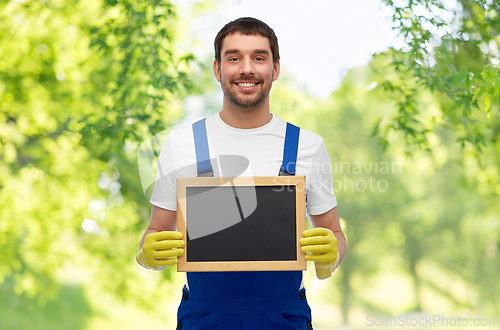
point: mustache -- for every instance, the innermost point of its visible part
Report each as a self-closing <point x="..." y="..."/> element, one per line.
<point x="247" y="78"/>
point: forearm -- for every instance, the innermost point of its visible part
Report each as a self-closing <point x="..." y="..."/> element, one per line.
<point x="161" y="220"/>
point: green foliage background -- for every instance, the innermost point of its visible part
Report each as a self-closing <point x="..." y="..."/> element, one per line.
<point x="413" y="139"/>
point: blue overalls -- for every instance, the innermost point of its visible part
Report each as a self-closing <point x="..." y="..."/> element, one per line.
<point x="244" y="300"/>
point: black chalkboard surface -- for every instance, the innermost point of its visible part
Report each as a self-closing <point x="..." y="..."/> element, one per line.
<point x="241" y="224"/>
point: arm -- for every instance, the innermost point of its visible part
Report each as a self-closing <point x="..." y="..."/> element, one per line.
<point x="161" y="244"/>
<point x="331" y="220"/>
<point x="325" y="243"/>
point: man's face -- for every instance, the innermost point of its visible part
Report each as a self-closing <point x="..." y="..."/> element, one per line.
<point x="246" y="71"/>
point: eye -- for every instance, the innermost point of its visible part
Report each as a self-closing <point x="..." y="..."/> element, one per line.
<point x="233" y="59"/>
<point x="259" y="58"/>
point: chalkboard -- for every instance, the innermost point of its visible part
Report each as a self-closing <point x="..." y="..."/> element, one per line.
<point x="241" y="223"/>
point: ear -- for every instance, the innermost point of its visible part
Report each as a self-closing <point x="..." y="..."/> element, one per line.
<point x="276" y="70"/>
<point x="217" y="70"/>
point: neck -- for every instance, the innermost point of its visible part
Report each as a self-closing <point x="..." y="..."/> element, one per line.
<point x="245" y="118"/>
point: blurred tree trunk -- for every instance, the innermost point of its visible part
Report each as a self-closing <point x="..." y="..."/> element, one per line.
<point x="345" y="289"/>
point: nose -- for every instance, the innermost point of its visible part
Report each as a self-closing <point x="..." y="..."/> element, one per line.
<point x="247" y="66"/>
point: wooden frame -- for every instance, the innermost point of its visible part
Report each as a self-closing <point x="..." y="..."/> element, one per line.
<point x="298" y="182"/>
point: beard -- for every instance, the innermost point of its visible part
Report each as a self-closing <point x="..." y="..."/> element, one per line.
<point x="245" y="100"/>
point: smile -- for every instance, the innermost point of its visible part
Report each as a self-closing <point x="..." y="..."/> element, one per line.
<point x="247" y="84"/>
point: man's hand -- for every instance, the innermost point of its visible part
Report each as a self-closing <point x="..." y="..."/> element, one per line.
<point x="321" y="246"/>
<point x="160" y="249"/>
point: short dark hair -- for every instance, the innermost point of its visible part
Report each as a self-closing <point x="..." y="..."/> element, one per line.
<point x="247" y="26"/>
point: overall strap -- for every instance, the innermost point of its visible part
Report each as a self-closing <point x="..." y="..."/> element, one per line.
<point x="203" y="164"/>
<point x="290" y="150"/>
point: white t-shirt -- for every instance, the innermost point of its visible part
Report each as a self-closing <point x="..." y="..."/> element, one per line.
<point x="245" y="152"/>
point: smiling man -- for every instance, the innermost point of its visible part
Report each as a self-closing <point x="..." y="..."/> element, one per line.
<point x="246" y="72"/>
<point x="246" y="65"/>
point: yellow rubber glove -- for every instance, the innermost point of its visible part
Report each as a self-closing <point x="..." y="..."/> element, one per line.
<point x="321" y="246"/>
<point x="160" y="250"/>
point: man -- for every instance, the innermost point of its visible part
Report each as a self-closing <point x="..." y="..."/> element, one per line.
<point x="246" y="64"/>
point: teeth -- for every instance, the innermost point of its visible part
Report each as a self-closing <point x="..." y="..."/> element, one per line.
<point x="247" y="84"/>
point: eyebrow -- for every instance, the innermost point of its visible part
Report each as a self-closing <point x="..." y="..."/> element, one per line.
<point x="236" y="51"/>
